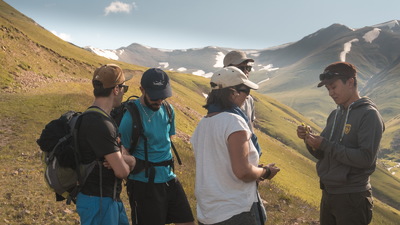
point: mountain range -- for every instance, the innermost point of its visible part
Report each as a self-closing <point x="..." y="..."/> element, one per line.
<point x="294" y="67"/>
<point x="289" y="72"/>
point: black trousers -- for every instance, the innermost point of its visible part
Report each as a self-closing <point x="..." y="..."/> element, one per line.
<point x="346" y="209"/>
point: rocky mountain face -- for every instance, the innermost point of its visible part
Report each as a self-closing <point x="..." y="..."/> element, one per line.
<point x="291" y="68"/>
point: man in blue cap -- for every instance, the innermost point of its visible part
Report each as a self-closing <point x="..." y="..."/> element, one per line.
<point x="155" y="194"/>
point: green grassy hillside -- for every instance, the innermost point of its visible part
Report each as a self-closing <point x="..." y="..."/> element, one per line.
<point x="41" y="77"/>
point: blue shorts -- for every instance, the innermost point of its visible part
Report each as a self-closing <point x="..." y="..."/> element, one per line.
<point x="94" y="210"/>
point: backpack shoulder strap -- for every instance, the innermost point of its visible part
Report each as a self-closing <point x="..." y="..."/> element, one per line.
<point x="168" y="108"/>
<point x="137" y="126"/>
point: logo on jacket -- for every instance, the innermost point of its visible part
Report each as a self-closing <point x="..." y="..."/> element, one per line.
<point x="347" y="129"/>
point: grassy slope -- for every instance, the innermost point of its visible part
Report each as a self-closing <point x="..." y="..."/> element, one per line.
<point x="24" y="199"/>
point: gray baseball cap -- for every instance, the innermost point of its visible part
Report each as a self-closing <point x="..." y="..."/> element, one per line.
<point x="235" y="58"/>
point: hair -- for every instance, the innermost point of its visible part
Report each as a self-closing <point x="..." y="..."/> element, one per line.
<point x="221" y="97"/>
<point x="344" y="79"/>
<point x="99" y="90"/>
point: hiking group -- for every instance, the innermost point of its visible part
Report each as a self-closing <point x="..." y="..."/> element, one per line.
<point x="132" y="141"/>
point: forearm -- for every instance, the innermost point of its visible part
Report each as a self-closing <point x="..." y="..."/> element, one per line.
<point x="249" y="174"/>
<point x="130" y="161"/>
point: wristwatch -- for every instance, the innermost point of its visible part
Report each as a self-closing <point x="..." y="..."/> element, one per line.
<point x="266" y="174"/>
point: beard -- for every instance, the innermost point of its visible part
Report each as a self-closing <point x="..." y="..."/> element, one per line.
<point x="152" y="106"/>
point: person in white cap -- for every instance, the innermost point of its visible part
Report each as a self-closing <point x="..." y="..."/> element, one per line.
<point x="227" y="168"/>
<point x="239" y="60"/>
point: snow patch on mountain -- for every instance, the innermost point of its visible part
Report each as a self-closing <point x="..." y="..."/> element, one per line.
<point x="219" y="60"/>
<point x="201" y="73"/>
<point x="181" y="69"/>
<point x="265" y="80"/>
<point x="269" y="67"/>
<point x="372" y="35"/>
<point x="346" y="49"/>
<point x="164" y="64"/>
<point x="110" y="54"/>
<point x="390" y="24"/>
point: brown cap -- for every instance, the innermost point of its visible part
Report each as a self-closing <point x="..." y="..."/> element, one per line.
<point x="337" y="70"/>
<point x="109" y="75"/>
<point x="235" y="58"/>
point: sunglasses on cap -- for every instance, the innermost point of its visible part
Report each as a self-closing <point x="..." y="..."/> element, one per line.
<point x="245" y="68"/>
<point x="125" y="87"/>
<point x="329" y="75"/>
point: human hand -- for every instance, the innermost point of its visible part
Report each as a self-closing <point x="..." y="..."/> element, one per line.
<point x="303" y="130"/>
<point x="273" y="169"/>
<point x="106" y="164"/>
<point x="313" y="141"/>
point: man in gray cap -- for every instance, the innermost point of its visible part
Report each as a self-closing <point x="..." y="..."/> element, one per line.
<point x="155" y="194"/>
<point x="239" y="60"/>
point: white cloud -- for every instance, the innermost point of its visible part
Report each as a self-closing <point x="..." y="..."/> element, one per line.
<point x="64" y="36"/>
<point x="117" y="7"/>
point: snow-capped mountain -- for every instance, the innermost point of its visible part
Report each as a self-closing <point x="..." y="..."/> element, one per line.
<point x="289" y="72"/>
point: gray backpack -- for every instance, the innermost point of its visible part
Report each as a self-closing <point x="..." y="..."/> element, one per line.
<point x="64" y="173"/>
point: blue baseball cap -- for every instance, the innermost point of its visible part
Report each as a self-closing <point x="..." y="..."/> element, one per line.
<point x="156" y="84"/>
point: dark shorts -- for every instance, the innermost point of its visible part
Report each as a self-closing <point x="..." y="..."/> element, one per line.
<point x="346" y="209"/>
<point x="245" y="218"/>
<point x="158" y="204"/>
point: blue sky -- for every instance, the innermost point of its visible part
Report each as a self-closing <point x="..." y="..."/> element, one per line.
<point x="182" y="24"/>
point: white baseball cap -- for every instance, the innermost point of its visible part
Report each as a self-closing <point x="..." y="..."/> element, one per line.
<point x="230" y="76"/>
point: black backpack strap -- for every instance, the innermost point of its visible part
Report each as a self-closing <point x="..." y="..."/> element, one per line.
<point x="74" y="133"/>
<point x="137" y="132"/>
<point x="137" y="127"/>
<point x="168" y="108"/>
<point x="74" y="193"/>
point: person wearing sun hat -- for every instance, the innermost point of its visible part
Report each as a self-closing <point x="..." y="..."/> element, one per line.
<point x="155" y="194"/>
<point x="240" y="60"/>
<point x="227" y="168"/>
<point x="98" y="201"/>
<point x="346" y="149"/>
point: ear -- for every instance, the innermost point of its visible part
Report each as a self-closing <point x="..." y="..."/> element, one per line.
<point x="116" y="90"/>
<point x="142" y="90"/>
<point x="351" y="82"/>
